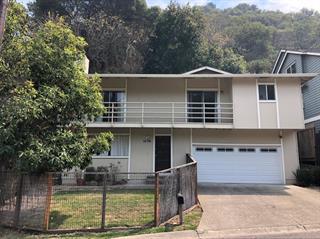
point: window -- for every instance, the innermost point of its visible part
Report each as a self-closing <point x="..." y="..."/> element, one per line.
<point x="268" y="150"/>
<point x="292" y="69"/>
<point x="249" y="150"/>
<point x="267" y="92"/>
<point x="114" y="103"/>
<point x="201" y="149"/>
<point x="119" y="146"/>
<point x="202" y="106"/>
<point x="225" y="149"/>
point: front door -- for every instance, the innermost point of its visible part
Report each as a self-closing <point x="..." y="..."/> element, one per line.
<point x="162" y="152"/>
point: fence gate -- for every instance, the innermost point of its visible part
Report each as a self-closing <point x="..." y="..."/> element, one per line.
<point x="307" y="146"/>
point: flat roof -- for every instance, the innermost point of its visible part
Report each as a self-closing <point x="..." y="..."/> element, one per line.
<point x="301" y="76"/>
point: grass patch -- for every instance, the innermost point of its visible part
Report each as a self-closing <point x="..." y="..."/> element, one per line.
<point x="82" y="209"/>
<point x="191" y="221"/>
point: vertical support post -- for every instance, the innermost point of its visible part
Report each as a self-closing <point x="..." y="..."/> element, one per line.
<point x="104" y="202"/>
<point x="172" y="111"/>
<point x="142" y="113"/>
<point x="112" y="110"/>
<point x="157" y="200"/>
<point x="204" y="113"/>
<point x="48" y="202"/>
<point x="180" y="209"/>
<point x="18" y="202"/>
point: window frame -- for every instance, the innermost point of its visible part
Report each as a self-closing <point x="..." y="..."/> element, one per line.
<point x="189" y="111"/>
<point x="267" y="96"/>
<point x="123" y="112"/>
<point x="290" y="68"/>
<point x="106" y="156"/>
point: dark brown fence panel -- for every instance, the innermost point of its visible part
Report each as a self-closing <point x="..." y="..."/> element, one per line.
<point x="183" y="180"/>
<point x="8" y="194"/>
<point x="33" y="201"/>
<point x="168" y="195"/>
<point x="307" y="145"/>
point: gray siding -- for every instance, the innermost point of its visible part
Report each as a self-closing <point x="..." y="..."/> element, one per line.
<point x="311" y="64"/>
<point x="276" y="68"/>
<point x="291" y="58"/>
<point x="311" y="98"/>
<point x="311" y="89"/>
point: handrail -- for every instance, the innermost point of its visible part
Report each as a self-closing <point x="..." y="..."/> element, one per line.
<point x="167" y="112"/>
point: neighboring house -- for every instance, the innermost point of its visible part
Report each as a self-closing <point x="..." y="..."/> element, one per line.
<point x="241" y="128"/>
<point x="305" y="62"/>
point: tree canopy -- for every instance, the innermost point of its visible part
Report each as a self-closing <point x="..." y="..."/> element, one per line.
<point x="130" y="37"/>
<point x="46" y="97"/>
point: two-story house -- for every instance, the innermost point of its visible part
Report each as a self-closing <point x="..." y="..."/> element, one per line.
<point x="241" y="128"/>
<point x="305" y="62"/>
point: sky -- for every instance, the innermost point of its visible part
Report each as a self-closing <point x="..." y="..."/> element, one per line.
<point x="282" y="5"/>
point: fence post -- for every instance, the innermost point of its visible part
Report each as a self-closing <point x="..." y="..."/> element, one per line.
<point x="104" y="203"/>
<point x="157" y="201"/>
<point x="18" y="202"/>
<point x="48" y="202"/>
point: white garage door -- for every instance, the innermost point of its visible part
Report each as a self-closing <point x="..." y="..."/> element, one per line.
<point x="240" y="164"/>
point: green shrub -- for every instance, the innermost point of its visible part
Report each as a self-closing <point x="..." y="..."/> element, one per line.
<point x="316" y="176"/>
<point x="307" y="176"/>
<point x="89" y="177"/>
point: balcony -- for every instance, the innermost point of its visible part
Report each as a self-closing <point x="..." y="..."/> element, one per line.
<point x="166" y="114"/>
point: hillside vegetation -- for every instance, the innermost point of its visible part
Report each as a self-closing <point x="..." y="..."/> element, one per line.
<point x="129" y="37"/>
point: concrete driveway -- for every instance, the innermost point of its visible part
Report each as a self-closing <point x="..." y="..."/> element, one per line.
<point x="256" y="209"/>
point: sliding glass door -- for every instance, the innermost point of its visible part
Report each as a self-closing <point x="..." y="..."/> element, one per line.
<point x="202" y="106"/>
<point x="114" y="101"/>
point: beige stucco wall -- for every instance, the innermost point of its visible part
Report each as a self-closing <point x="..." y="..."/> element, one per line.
<point x="291" y="155"/>
<point x="141" y="154"/>
<point x="268" y="115"/>
<point x="245" y="103"/>
<point x="181" y="145"/>
<point x="290" y="104"/>
<point x="235" y="136"/>
<point x="242" y="92"/>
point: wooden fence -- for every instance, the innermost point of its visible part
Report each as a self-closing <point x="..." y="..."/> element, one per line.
<point x="98" y="201"/>
<point x="171" y="182"/>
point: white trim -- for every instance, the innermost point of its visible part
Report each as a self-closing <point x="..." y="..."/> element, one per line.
<point x="171" y="147"/>
<point x="291" y="64"/>
<point x="313" y="119"/>
<point x="206" y="68"/>
<point x="153" y="150"/>
<point x="268" y="83"/>
<point x="109" y="157"/>
<point x="191" y="141"/>
<point x="226" y="144"/>
<point x="129" y="159"/>
<point x="283" y="164"/>
<point x="277" y="102"/>
<point x="301" y="76"/>
<point x="113" y="89"/>
<point x="258" y="105"/>
<point x="276" y="62"/>
<point x="202" y="89"/>
<point x="283" y="60"/>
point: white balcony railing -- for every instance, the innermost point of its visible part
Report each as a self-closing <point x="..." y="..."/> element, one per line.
<point x="167" y="113"/>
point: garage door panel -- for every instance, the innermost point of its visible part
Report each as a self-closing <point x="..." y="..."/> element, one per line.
<point x="261" y="165"/>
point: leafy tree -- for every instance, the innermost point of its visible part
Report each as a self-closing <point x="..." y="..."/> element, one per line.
<point x="46" y="97"/>
<point x="223" y="58"/>
<point x="176" y="41"/>
<point x="117" y="32"/>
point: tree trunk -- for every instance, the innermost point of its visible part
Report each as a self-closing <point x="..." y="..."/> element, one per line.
<point x="3" y="12"/>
